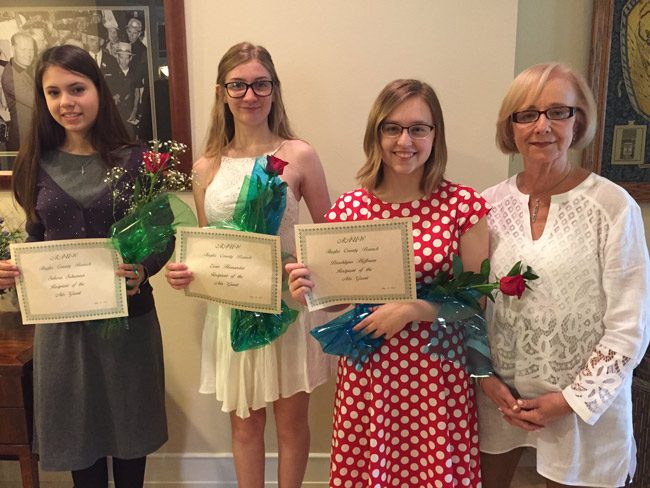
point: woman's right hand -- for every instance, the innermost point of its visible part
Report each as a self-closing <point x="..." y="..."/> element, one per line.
<point x="507" y="404"/>
<point x="178" y="275"/>
<point x="299" y="282"/>
<point x="8" y="274"/>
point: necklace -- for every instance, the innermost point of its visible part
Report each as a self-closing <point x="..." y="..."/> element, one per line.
<point x="85" y="163"/>
<point x="533" y="214"/>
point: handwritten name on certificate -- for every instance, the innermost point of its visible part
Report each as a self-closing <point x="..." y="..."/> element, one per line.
<point x="358" y="262"/>
<point x="238" y="269"/>
<point x="69" y="281"/>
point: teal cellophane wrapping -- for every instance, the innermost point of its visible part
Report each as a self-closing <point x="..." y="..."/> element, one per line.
<point x="468" y="348"/>
<point x="459" y="312"/>
<point x="336" y="337"/>
<point x="259" y="208"/>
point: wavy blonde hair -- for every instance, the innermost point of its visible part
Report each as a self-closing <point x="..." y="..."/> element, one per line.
<point x="528" y="85"/>
<point x="395" y="93"/>
<point x="222" y="126"/>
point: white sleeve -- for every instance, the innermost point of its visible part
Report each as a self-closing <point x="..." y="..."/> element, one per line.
<point x="626" y="286"/>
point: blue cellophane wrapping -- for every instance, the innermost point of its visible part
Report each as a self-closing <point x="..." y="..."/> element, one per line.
<point x="337" y="337"/>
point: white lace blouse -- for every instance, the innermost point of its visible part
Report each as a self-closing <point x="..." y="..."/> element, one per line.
<point x="581" y="331"/>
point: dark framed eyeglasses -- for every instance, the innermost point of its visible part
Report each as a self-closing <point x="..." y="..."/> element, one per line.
<point x="238" y="89"/>
<point x="416" y="131"/>
<point x="553" y="113"/>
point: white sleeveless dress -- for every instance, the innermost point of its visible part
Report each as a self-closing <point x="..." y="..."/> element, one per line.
<point x="292" y="363"/>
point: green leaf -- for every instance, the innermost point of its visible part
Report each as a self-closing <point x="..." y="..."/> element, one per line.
<point x="485" y="268"/>
<point x="485" y="289"/>
<point x="516" y="269"/>
<point x="530" y="276"/>
<point x="457" y="265"/>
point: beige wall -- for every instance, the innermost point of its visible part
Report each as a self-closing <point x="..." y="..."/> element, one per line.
<point x="333" y="58"/>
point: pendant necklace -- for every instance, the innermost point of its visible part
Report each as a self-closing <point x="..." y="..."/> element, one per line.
<point x="533" y="214"/>
<point x="85" y="163"/>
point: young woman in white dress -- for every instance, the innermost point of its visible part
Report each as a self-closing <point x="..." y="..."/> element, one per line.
<point x="249" y="120"/>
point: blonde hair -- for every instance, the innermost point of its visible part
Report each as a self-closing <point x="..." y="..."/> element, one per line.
<point x="528" y="85"/>
<point x="222" y="126"/>
<point x="395" y="93"/>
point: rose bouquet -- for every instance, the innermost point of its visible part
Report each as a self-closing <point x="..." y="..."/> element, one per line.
<point x="259" y="208"/>
<point x="153" y="212"/>
<point x="458" y="300"/>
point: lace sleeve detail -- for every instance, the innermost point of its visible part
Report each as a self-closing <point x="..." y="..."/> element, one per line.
<point x="598" y="383"/>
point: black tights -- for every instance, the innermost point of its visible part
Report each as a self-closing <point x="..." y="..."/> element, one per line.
<point x="127" y="473"/>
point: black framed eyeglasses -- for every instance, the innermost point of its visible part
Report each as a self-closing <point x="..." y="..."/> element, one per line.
<point x="238" y="89"/>
<point x="416" y="131"/>
<point x="553" y="113"/>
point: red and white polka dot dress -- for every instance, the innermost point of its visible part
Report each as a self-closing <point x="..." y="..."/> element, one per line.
<point x="408" y="419"/>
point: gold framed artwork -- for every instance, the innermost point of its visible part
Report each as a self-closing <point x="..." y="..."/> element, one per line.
<point x="620" y="79"/>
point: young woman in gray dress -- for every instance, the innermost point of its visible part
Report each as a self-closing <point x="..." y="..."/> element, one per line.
<point x="93" y="397"/>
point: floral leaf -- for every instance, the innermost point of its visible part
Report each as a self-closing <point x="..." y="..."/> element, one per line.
<point x="457" y="265"/>
<point x="485" y="268"/>
<point x="516" y="269"/>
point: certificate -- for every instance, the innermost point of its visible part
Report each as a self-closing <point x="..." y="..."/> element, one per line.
<point x="69" y="281"/>
<point x="358" y="262"/>
<point x="238" y="269"/>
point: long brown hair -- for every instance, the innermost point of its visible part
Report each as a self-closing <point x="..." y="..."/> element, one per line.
<point x="107" y="133"/>
<point x="222" y="127"/>
<point x="396" y="92"/>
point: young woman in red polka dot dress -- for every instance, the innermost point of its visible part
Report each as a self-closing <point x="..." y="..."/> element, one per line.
<point x="408" y="418"/>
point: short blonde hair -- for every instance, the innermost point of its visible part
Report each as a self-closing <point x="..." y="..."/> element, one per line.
<point x="395" y="93"/>
<point x="529" y="85"/>
<point x="222" y="127"/>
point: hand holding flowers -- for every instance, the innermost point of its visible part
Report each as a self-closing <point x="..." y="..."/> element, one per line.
<point x="457" y="299"/>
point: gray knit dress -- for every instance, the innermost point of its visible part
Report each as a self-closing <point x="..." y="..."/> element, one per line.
<point x="94" y="397"/>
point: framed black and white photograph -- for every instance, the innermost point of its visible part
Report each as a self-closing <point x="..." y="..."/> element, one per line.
<point x="620" y="79"/>
<point x="126" y="39"/>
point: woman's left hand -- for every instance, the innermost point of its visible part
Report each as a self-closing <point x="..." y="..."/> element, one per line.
<point x="386" y="320"/>
<point x="134" y="274"/>
<point x="541" y="410"/>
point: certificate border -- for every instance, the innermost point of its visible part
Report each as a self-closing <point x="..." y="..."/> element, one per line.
<point x="120" y="309"/>
<point x="275" y="294"/>
<point x="405" y="225"/>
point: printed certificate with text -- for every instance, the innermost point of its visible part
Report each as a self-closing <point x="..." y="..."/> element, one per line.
<point x="239" y="269"/>
<point x="358" y="262"/>
<point x="69" y="281"/>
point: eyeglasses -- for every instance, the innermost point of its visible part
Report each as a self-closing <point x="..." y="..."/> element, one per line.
<point x="553" y="113"/>
<point x="416" y="131"/>
<point x="238" y="89"/>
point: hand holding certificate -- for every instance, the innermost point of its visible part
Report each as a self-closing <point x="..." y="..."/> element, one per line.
<point x="358" y="262"/>
<point x="69" y="281"/>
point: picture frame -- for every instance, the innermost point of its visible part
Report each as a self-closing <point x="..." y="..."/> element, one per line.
<point x="620" y="50"/>
<point x="165" y="30"/>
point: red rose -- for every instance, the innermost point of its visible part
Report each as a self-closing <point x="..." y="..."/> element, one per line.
<point x="274" y="165"/>
<point x="155" y="161"/>
<point x="512" y="285"/>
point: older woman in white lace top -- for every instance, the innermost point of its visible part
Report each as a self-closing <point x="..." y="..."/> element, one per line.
<point x="563" y="354"/>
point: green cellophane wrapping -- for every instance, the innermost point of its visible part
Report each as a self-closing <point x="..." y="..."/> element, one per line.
<point x="259" y="208"/>
<point x="145" y="232"/>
